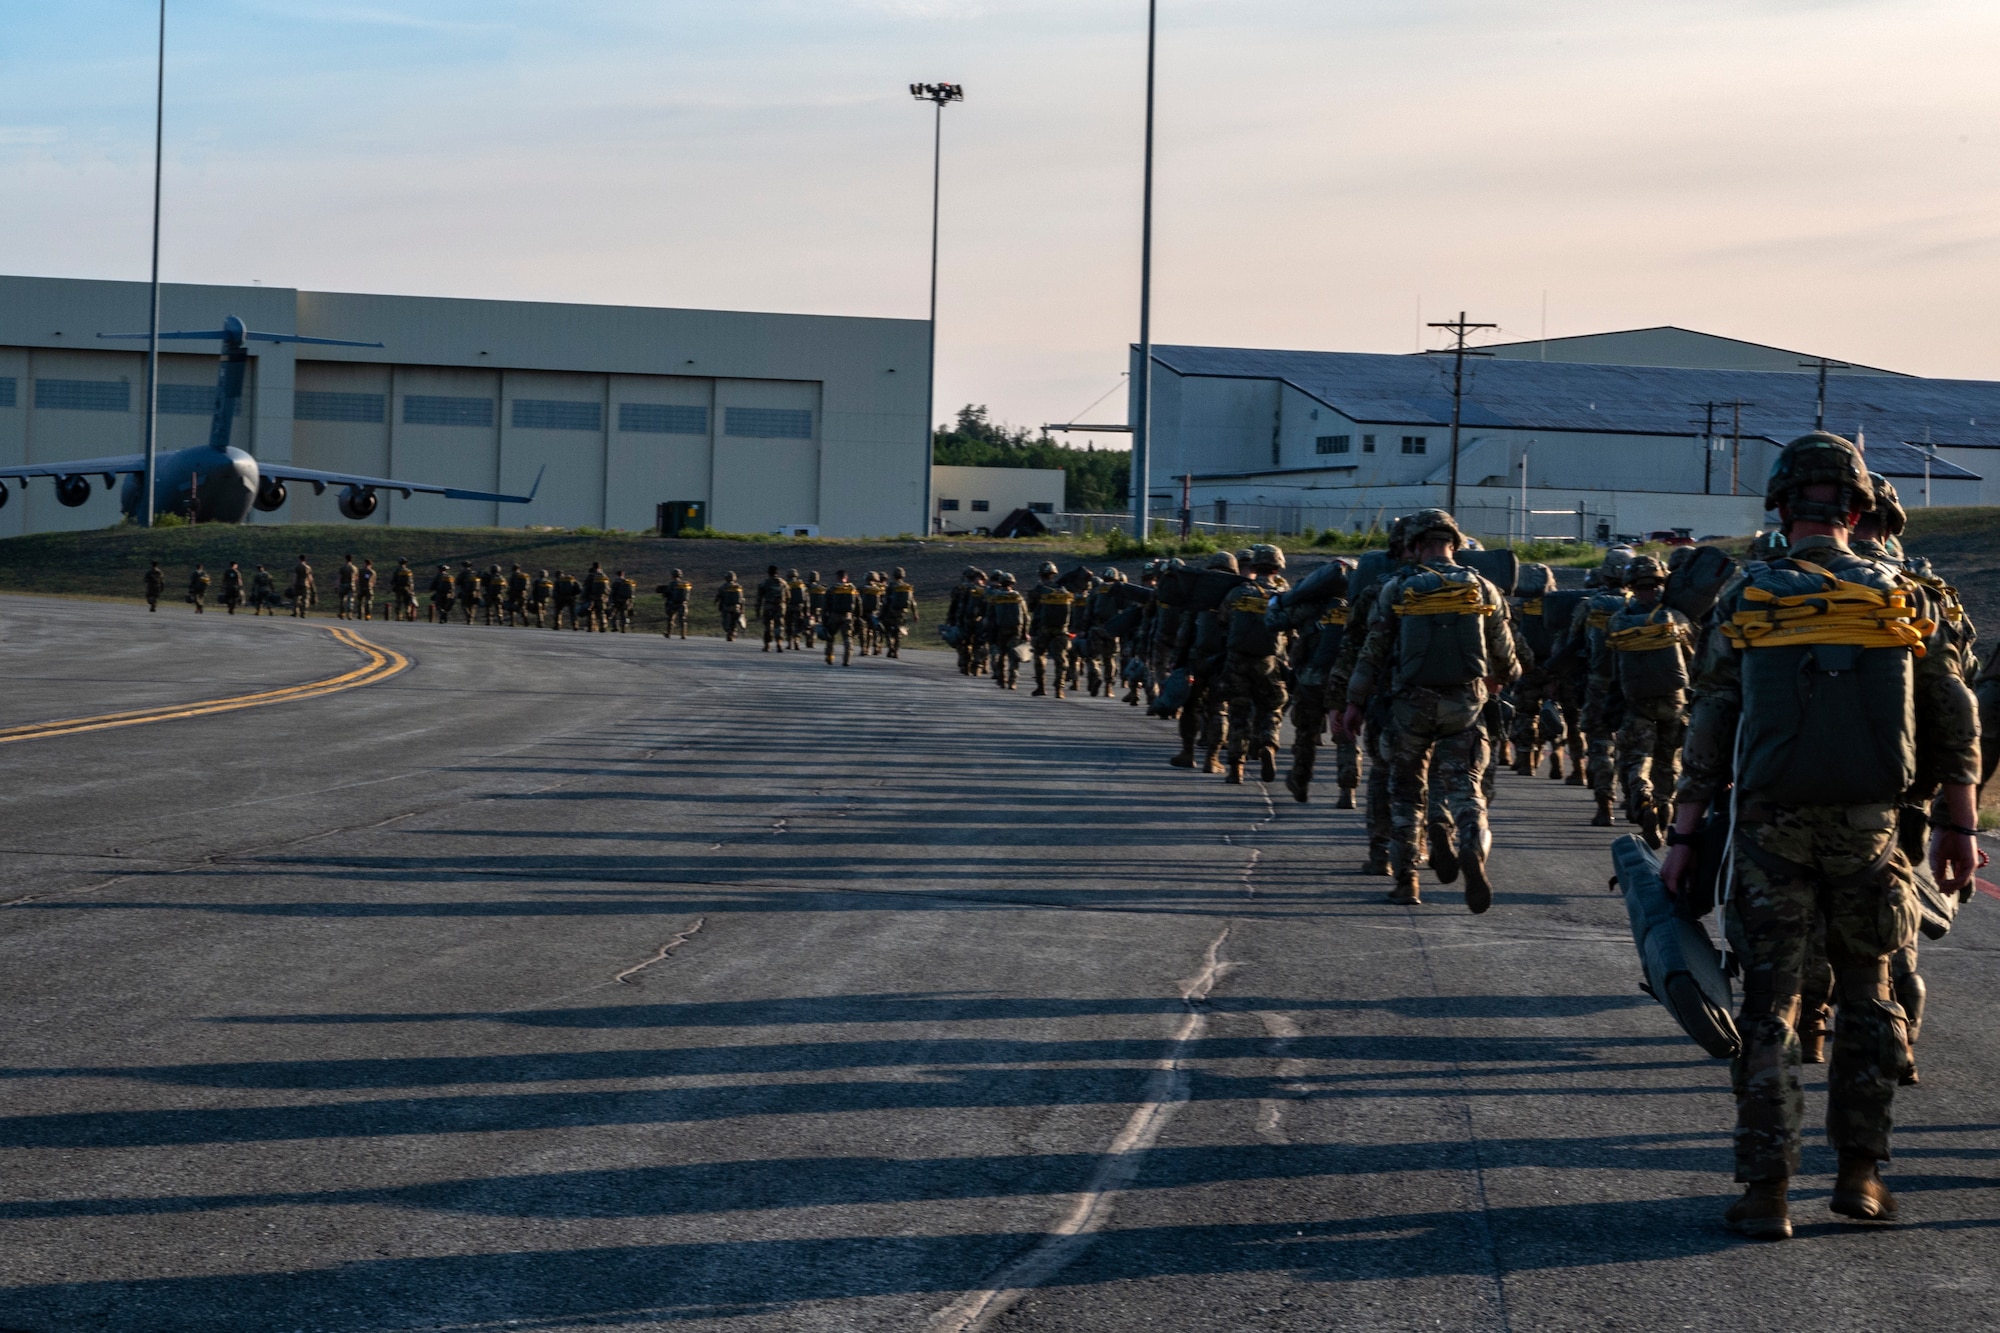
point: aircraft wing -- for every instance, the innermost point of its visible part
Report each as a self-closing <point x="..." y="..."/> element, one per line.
<point x="108" y="468"/>
<point x="319" y="481"/>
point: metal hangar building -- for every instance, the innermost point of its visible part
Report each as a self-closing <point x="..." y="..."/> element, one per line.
<point x="771" y="420"/>
<point x="1618" y="433"/>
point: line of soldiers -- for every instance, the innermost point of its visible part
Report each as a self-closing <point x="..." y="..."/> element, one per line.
<point x="596" y="601"/>
<point x="260" y="593"/>
<point x="797" y="611"/>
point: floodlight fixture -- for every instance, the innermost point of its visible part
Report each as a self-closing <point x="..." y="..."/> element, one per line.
<point x="940" y="93"/>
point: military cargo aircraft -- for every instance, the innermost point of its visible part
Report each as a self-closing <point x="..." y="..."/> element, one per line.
<point x="217" y="482"/>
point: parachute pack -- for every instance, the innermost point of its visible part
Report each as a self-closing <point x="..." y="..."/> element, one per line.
<point x="1693" y="589"/>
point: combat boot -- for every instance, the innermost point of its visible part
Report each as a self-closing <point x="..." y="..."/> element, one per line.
<point x="1131" y="696"/>
<point x="1575" y="778"/>
<point x="1185" y="759"/>
<point x="1059" y="692"/>
<point x="1405" y="894"/>
<point x="1556" y="764"/>
<point x="1267" y="763"/>
<point x="1858" y="1191"/>
<point x="1209" y="763"/>
<point x="1814" y="1025"/>
<point x="1649" y="826"/>
<point x="1602" y="819"/>
<point x="1523" y="762"/>
<point x="1346" y="801"/>
<point x="1762" y="1213"/>
<point x="1234" y="774"/>
<point x="1378" y="860"/>
<point x="1444" y="856"/>
<point x="1298" y="785"/>
<point x="1472" y="860"/>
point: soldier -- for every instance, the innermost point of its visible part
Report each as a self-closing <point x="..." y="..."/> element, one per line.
<point x="729" y="604"/>
<point x="232" y="587"/>
<point x="468" y="591"/>
<point x="1828" y="698"/>
<point x="1100" y="644"/>
<point x="156" y="584"/>
<point x="1202" y="648"/>
<point x="519" y="588"/>
<point x="565" y="601"/>
<point x="1439" y="647"/>
<point x="798" y="610"/>
<point x="1600" y="706"/>
<point x="343" y="587"/>
<point x="867" y="616"/>
<point x="1537" y="635"/>
<point x="1369" y="738"/>
<point x="493" y="597"/>
<point x="444" y="592"/>
<point x="1049" y="605"/>
<point x="1315" y="648"/>
<point x="364" y="588"/>
<point x="402" y="588"/>
<point x="198" y="588"/>
<point x="1643" y="659"/>
<point x="1005" y="628"/>
<point x="899" y="604"/>
<point x="772" y="598"/>
<point x="1253" y="673"/>
<point x="542" y="598"/>
<point x="965" y="614"/>
<point x="302" y="588"/>
<point x="842" y="606"/>
<point x="624" y="598"/>
<point x="596" y="597"/>
<point x="677" y="592"/>
<point x="815" y="606"/>
<point x="263" y="593"/>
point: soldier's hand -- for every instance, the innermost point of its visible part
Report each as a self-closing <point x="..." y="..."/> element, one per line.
<point x="1955" y="859"/>
<point x="1675" y="869"/>
<point x="1350" y="722"/>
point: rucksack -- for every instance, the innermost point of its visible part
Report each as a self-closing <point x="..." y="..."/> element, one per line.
<point x="1441" y="629"/>
<point x="1693" y="588"/>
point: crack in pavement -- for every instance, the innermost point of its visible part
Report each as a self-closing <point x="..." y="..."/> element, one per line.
<point x="661" y="955"/>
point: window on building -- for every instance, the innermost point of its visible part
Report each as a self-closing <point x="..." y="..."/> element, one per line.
<point x="188" y="400"/>
<point x="318" y="405"/>
<point x="1040" y="507"/>
<point x="662" y="419"/>
<point x="9" y="387"/>
<point x="1416" y="444"/>
<point x="1368" y="444"/>
<point x="982" y="506"/>
<point x="558" y="414"/>
<point x="1332" y="444"/>
<point x="84" y="395"/>
<point x="948" y="506"/>
<point x="430" y="409"/>
<point x="768" y="423"/>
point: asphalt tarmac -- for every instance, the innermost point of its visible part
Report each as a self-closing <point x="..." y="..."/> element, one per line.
<point x="567" y="983"/>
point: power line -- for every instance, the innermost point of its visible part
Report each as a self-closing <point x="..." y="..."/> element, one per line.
<point x="1459" y="328"/>
<point x="1824" y="364"/>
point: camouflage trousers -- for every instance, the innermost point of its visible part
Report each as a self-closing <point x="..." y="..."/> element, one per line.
<point x="1434" y="738"/>
<point x="1006" y="667"/>
<point x="1381" y="834"/>
<point x="1566" y="696"/>
<point x="1602" y="746"/>
<point x="1204" y="721"/>
<point x="1528" y="694"/>
<point x="1649" y="748"/>
<point x="1101" y="655"/>
<point x="774" y="629"/>
<point x="1254" y="688"/>
<point x="840" y="631"/>
<point x="1836" y="871"/>
<point x="677" y="619"/>
<point x="1051" y="648"/>
<point x="1310" y="708"/>
<point x="892" y="633"/>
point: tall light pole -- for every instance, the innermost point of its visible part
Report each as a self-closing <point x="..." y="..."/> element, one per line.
<point x="1141" y="482"/>
<point x="938" y="95"/>
<point x="153" y="321"/>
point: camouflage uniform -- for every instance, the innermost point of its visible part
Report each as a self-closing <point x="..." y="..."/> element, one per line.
<point x="344" y="581"/>
<point x="1005" y="627"/>
<point x="1642" y="662"/>
<point x="198" y="588"/>
<point x="364" y="589"/>
<point x="899" y="604"/>
<point x="1537" y="636"/>
<point x="868" y="618"/>
<point x="838" y="617"/>
<point x="156" y="584"/>
<point x="595" y="600"/>
<point x="402" y="589"/>
<point x="798" y="620"/>
<point x="677" y="592"/>
<point x="1376" y="805"/>
<point x="1600" y="706"/>
<point x="1253" y="671"/>
<point x="444" y="591"/>
<point x="541" y="598"/>
<point x="232" y="587"/>
<point x="729" y="605"/>
<point x="772" y="598"/>
<point x="302" y="588"/>
<point x="263" y="593"/>
<point x="965" y="614"/>
<point x="520" y="589"/>
<point x="1049" y="606"/>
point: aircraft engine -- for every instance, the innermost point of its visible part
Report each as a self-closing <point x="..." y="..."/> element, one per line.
<point x="359" y="501"/>
<point x="270" y="494"/>
<point x="73" y="490"/>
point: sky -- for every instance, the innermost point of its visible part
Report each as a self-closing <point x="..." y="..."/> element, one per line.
<point x="1819" y="174"/>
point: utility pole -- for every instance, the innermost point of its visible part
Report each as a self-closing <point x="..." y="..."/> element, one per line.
<point x="1707" y="444"/>
<point x="1819" y="406"/>
<point x="1735" y="406"/>
<point x="153" y="319"/>
<point x="1459" y="329"/>
<point x="938" y="95"/>
<point x="1141" y="476"/>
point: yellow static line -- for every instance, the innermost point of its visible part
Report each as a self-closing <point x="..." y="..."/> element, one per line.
<point x="382" y="663"/>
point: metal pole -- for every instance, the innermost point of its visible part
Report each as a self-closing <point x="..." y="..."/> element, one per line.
<point x="930" y="375"/>
<point x="153" y="319"/>
<point x="1142" y="426"/>
<point x="1457" y="396"/>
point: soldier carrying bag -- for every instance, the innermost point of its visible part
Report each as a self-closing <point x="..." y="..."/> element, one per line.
<point x="1441" y="629"/>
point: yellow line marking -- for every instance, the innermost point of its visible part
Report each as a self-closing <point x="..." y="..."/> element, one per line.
<point x="382" y="663"/>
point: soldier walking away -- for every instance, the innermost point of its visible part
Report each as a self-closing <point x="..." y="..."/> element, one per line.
<point x="1005" y="628"/>
<point x="156" y="584"/>
<point x="1531" y="588"/>
<point x="1100" y="644"/>
<point x="677" y="592"/>
<point x="1600" y="707"/>
<point x="1049" y="605"/>
<point x="364" y="588"/>
<point x="815" y="605"/>
<point x="899" y="604"/>
<point x="840" y="616"/>
<point x="344" y="584"/>
<point x="467" y="583"/>
<point x="444" y="592"/>
<point x="1253" y="671"/>
<point x="868" y="619"/>
<point x="197" y="592"/>
<point x="798" y="632"/>
<point x="302" y="588"/>
<point x="1643" y="661"/>
<point x="493" y="596"/>
<point x="565" y="601"/>
<point x="965" y="617"/>
<point x="1829" y="697"/>
<point x="402" y="589"/>
<point x="519" y="589"/>
<point x="1370" y="738"/>
<point x="232" y="587"/>
<point x="596" y="598"/>
<point x="542" y="598"/>
<point x="263" y="593"/>
<point x="1314" y="649"/>
<point x="773" y="599"/>
<point x="623" y="594"/>
<point x="1438" y="645"/>
<point x="729" y="603"/>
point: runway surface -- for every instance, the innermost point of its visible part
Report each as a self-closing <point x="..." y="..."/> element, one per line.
<point x="571" y="982"/>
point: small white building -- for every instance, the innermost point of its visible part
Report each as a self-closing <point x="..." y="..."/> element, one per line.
<point x="973" y="499"/>
<point x="1285" y="440"/>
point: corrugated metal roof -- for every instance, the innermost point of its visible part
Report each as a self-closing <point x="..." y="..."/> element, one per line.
<point x="1642" y="400"/>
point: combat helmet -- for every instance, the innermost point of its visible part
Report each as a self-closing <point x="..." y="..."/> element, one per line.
<point x="1768" y="545"/>
<point x="1223" y="560"/>
<point x="1888" y="506"/>
<point x="1113" y="574"/>
<point x="1265" y="556"/>
<point x="1003" y="578"/>
<point x="1429" y="522"/>
<point x="1048" y="569"/>
<point x="1643" y="571"/>
<point x="1535" y="581"/>
<point x="1819" y="458"/>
